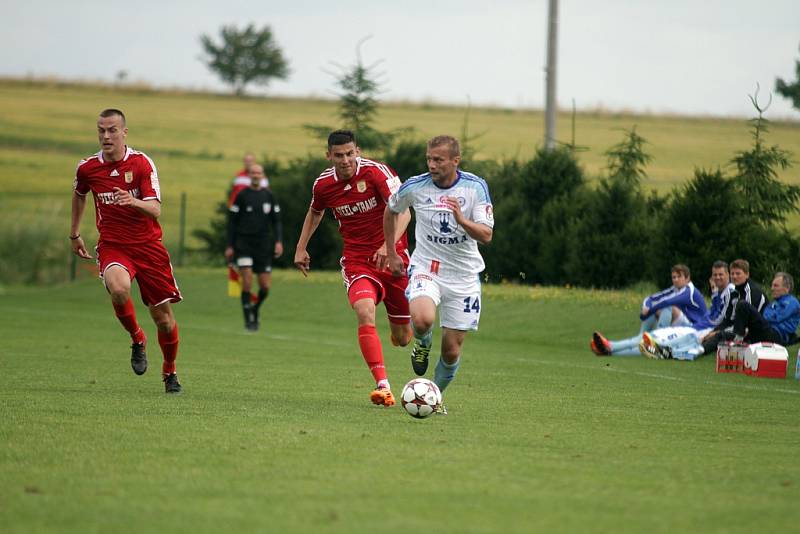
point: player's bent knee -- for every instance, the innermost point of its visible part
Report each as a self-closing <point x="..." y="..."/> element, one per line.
<point x="164" y="323"/>
<point x="422" y="326"/>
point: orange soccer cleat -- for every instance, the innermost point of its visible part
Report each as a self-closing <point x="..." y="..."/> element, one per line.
<point x="382" y="397"/>
<point x="600" y="345"/>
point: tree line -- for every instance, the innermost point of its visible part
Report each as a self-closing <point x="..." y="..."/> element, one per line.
<point x="553" y="226"/>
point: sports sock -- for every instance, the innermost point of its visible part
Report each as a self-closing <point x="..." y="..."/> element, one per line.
<point x="445" y="373"/>
<point x="262" y="296"/>
<point x="169" y="348"/>
<point x="127" y="316"/>
<point x="371" y="349"/>
<point x="247" y="306"/>
<point x="424" y="339"/>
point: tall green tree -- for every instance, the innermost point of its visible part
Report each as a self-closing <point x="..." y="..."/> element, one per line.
<point x="790" y="89"/>
<point x="627" y="160"/>
<point x="245" y="56"/>
<point x="769" y="200"/>
<point x="359" y="87"/>
<point x="611" y="238"/>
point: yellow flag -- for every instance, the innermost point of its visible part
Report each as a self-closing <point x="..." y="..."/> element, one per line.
<point x="234" y="286"/>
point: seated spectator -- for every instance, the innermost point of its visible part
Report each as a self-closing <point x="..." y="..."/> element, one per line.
<point x="779" y="320"/>
<point x="744" y="289"/>
<point x="777" y="325"/>
<point x="679" y="305"/>
<point x="721" y="288"/>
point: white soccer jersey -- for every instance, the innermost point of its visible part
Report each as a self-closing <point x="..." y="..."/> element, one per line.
<point x="442" y="246"/>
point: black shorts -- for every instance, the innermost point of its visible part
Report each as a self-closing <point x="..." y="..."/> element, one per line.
<point x="254" y="253"/>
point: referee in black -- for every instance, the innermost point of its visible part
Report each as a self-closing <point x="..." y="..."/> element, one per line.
<point x="255" y="236"/>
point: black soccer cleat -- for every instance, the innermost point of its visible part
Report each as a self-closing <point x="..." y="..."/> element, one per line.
<point x="138" y="358"/>
<point x="171" y="384"/>
<point x="419" y="358"/>
<point x="250" y="317"/>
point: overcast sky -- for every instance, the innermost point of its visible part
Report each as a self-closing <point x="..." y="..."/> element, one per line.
<point x="682" y="56"/>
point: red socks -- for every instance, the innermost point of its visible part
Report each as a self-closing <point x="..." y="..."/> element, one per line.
<point x="371" y="349"/>
<point x="127" y="316"/>
<point x="169" y="348"/>
<point x="168" y="342"/>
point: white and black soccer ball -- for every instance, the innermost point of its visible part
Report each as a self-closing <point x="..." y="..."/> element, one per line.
<point x="420" y="398"/>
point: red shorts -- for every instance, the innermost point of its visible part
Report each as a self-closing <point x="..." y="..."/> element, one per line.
<point x="363" y="280"/>
<point x="148" y="263"/>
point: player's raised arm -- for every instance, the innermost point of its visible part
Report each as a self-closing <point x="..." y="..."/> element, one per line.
<point x="302" y="260"/>
<point x="477" y="231"/>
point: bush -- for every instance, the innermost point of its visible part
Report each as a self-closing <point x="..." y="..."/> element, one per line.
<point x="533" y="204"/>
<point x="613" y="241"/>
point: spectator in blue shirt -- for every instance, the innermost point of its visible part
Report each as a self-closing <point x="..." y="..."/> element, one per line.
<point x="679" y="305"/>
<point x="776" y="323"/>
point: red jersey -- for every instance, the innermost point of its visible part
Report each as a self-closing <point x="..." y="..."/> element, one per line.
<point x="136" y="173"/>
<point x="358" y="204"/>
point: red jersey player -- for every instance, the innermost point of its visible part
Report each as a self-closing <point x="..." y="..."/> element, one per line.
<point x="127" y="201"/>
<point x="356" y="190"/>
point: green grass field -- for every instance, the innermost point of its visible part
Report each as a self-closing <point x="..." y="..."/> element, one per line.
<point x="197" y="141"/>
<point x="274" y="431"/>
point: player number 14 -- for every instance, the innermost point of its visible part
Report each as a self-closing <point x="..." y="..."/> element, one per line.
<point x="472" y="305"/>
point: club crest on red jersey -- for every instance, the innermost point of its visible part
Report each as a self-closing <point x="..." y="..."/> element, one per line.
<point x="361" y="186"/>
<point x="128" y="177"/>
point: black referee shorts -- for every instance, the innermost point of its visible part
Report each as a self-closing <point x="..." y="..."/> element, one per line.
<point x="255" y="253"/>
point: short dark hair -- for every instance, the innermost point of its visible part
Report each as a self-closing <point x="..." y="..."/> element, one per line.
<point x="450" y="141"/>
<point x="744" y="265"/>
<point x="341" y="137"/>
<point x="682" y="269"/>
<point x="110" y="112"/>
<point x="719" y="264"/>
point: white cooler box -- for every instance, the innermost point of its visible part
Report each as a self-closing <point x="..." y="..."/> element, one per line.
<point x="766" y="359"/>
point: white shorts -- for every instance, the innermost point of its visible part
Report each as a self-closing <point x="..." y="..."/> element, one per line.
<point x="459" y="300"/>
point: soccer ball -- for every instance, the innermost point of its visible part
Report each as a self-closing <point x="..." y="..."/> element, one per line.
<point x="420" y="398"/>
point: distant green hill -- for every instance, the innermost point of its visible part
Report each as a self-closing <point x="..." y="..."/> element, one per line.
<point x="197" y="140"/>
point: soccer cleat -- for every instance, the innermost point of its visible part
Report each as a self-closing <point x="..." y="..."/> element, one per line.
<point x="250" y="317"/>
<point x="138" y="358"/>
<point x="382" y="397"/>
<point x="171" y="384"/>
<point x="419" y="358"/>
<point x="600" y="345"/>
<point x="441" y="409"/>
<point x="650" y="348"/>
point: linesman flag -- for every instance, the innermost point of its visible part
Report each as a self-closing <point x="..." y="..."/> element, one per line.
<point x="234" y="286"/>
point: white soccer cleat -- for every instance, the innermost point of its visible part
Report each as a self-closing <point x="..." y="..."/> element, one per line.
<point x="650" y="348"/>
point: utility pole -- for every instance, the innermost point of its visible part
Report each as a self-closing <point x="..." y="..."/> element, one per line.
<point x="550" y="77"/>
